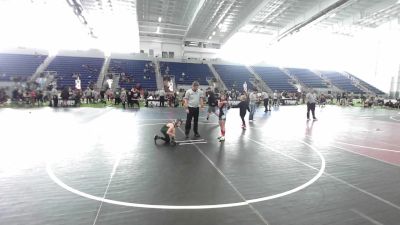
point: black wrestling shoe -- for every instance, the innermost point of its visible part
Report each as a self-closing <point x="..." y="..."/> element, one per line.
<point x="173" y="143"/>
<point x="155" y="139"/>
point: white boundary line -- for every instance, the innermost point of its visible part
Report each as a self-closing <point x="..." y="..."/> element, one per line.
<point x="166" y="119"/>
<point x="193" y="143"/>
<point x="362" y="146"/>
<point x="358" y="153"/>
<point x="255" y="211"/>
<point x="108" y="186"/>
<point x="315" y="178"/>
<point x="348" y="150"/>
<point x="392" y="118"/>
<point x="366" y="217"/>
<point x="344" y="182"/>
<point x="365" y="192"/>
<point x="378" y="141"/>
<point x="214" y="206"/>
<point x="385" y="143"/>
<point x="187" y="141"/>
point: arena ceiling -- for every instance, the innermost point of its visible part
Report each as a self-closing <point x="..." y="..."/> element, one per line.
<point x="217" y="20"/>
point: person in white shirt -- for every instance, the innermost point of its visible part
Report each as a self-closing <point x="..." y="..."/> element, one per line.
<point x="275" y="103"/>
<point x="266" y="100"/>
<point x="311" y="99"/>
<point x="193" y="100"/>
<point x="253" y="97"/>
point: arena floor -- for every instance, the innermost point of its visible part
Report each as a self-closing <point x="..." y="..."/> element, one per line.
<point x="100" y="166"/>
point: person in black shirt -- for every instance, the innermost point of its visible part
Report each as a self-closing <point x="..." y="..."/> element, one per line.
<point x="65" y="96"/>
<point x="117" y="98"/>
<point x="130" y="98"/>
<point x="39" y="98"/>
<point x="244" y="107"/>
<point x="338" y="96"/>
<point x="146" y="95"/>
<point x="212" y="103"/>
<point x="102" y="94"/>
<point x="77" y="97"/>
<point x="15" y="95"/>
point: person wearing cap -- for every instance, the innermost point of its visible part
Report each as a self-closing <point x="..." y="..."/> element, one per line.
<point x="193" y="101"/>
<point x="168" y="130"/>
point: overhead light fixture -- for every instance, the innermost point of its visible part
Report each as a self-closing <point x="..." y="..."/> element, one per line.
<point x="158" y="30"/>
<point x="210" y="37"/>
<point x="159" y="19"/>
<point x="213" y="33"/>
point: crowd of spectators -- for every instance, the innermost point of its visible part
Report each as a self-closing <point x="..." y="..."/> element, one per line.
<point x="148" y="72"/>
<point x="3" y="96"/>
<point x="36" y="93"/>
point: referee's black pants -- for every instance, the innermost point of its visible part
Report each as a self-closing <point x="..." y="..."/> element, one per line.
<point x="193" y="113"/>
<point x="266" y="101"/>
<point x="162" y="100"/>
<point x="310" y="107"/>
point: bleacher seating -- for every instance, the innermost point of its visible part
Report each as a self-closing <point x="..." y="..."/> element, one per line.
<point x="134" y="73"/>
<point x="65" y="66"/>
<point x="341" y="81"/>
<point x="234" y="75"/>
<point x="308" y="78"/>
<point x="275" y="78"/>
<point x="192" y="72"/>
<point x="18" y="65"/>
<point x="368" y="86"/>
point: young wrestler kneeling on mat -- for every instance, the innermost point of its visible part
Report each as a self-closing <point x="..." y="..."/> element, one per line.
<point x="168" y="130"/>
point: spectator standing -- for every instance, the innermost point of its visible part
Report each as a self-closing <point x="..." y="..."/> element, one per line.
<point x="135" y="98"/>
<point x="266" y="101"/>
<point x="161" y="93"/>
<point x="253" y="97"/>
<point x="123" y="98"/>
<point x="65" y="96"/>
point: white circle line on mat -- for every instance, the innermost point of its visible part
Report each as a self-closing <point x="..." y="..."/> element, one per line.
<point x="392" y="118"/>
<point x="189" y="207"/>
